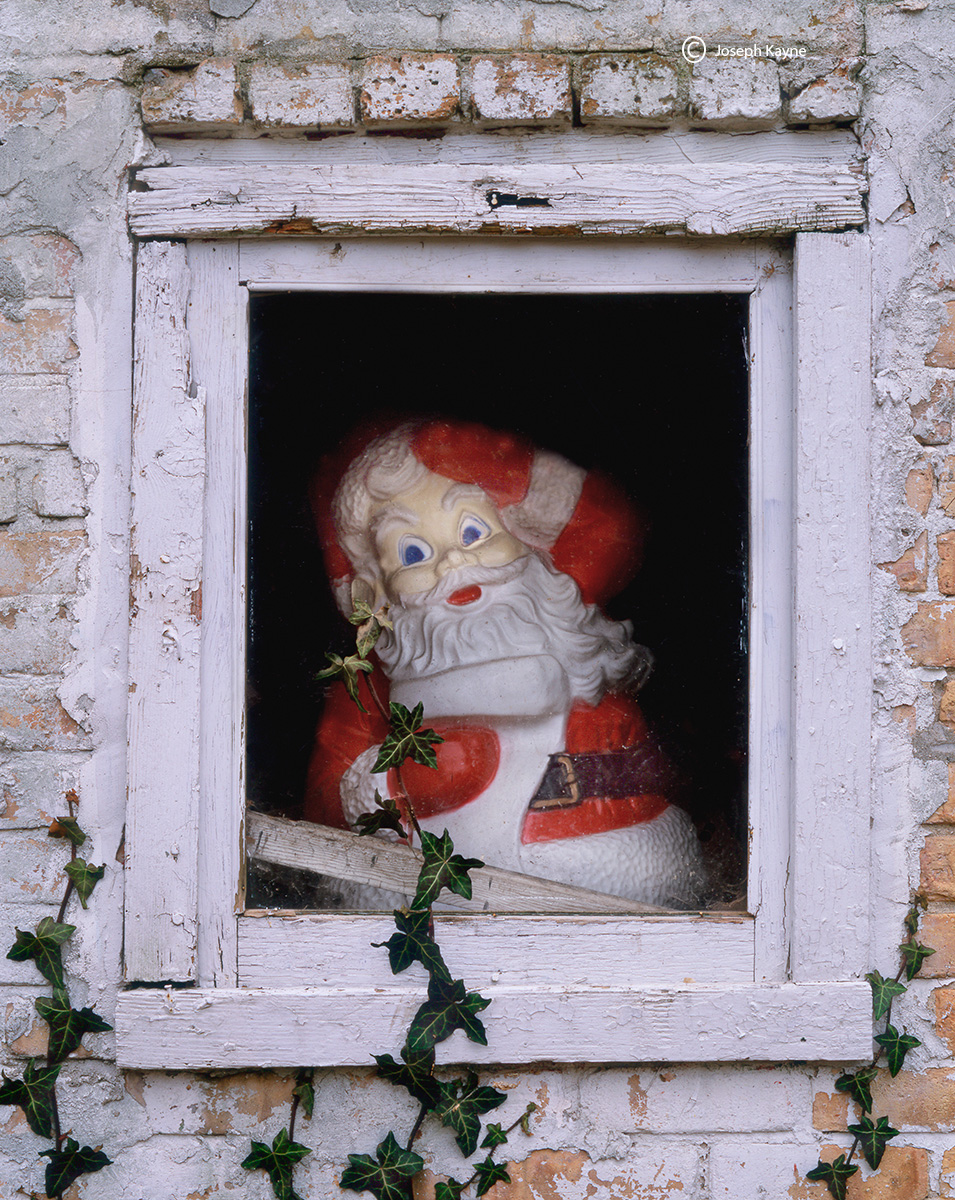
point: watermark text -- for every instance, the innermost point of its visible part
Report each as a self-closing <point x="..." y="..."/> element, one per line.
<point x="694" y="48"/>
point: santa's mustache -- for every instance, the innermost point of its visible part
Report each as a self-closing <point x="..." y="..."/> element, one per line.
<point x="470" y="575"/>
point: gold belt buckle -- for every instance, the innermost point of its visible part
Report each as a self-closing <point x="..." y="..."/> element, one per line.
<point x="570" y="776"/>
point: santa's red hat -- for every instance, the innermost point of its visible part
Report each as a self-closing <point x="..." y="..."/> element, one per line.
<point x="581" y="520"/>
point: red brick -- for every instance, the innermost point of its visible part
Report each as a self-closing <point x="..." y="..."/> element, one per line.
<point x="945" y="543"/>
<point x="943" y="355"/>
<point x="929" y="637"/>
<point x="911" y="569"/>
<point x="902" y="1175"/>
<point x="938" y="931"/>
<point x="932" y="417"/>
<point x="40" y="562"/>
<point x="918" y="487"/>
<point x="945" y="1016"/>
<point x="938" y="867"/>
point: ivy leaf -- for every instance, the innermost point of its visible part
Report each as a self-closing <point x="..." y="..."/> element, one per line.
<point x="873" y="1137"/>
<point x="34" y="1094"/>
<point x="305" y="1091"/>
<point x="913" y="955"/>
<point x="84" y="877"/>
<point x="912" y="920"/>
<point x="897" y="1045"/>
<point x="442" y="869"/>
<point x="66" y="827"/>
<point x="526" y="1118"/>
<point x="884" y="992"/>
<point x="44" y="948"/>
<point x="463" y="1103"/>
<point x="414" y="1074"/>
<point x="387" y="816"/>
<point x="449" y="1191"/>
<point x="67" y="1024"/>
<point x="370" y="625"/>
<point x="278" y="1161"/>
<point x="448" y="1007"/>
<point x="834" y="1175"/>
<point x="387" y="1179"/>
<point x="406" y="739"/>
<point x="346" y="669"/>
<point x="859" y="1086"/>
<point x="488" y="1173"/>
<point x="495" y="1136"/>
<point x="70" y="1162"/>
<point x="413" y="943"/>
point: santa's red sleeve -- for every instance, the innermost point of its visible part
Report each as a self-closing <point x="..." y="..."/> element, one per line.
<point x="616" y="723"/>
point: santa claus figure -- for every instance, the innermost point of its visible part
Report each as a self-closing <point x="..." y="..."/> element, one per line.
<point x="494" y="557"/>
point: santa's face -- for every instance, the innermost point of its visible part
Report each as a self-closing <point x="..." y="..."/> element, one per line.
<point x="433" y="528"/>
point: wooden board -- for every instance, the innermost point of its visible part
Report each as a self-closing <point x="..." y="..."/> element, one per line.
<point x="198" y="1028"/>
<point x="168" y="479"/>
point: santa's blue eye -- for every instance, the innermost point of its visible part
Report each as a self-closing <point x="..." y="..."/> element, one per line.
<point x="413" y="550"/>
<point x="472" y="530"/>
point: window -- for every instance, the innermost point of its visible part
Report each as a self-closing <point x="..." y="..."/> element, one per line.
<point x="279" y="990"/>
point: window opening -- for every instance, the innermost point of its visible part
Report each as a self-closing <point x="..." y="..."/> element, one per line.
<point x="650" y="389"/>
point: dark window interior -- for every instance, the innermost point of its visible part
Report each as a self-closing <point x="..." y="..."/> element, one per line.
<point x="652" y="389"/>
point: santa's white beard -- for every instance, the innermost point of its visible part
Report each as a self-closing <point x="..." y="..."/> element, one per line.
<point x="526" y="608"/>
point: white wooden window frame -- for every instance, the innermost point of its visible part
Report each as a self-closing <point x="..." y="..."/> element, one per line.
<point x="212" y="987"/>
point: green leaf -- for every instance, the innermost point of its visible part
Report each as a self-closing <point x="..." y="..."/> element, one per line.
<point x="897" y="1045"/>
<point x="388" y="816"/>
<point x="448" y="1007"/>
<point x="873" y="1137"/>
<point x="305" y="1091"/>
<point x="346" y="669"/>
<point x="442" y="869"/>
<point x="834" y="1175"/>
<point x="67" y="827"/>
<point x="34" y="1094"/>
<point x="488" y="1173"/>
<point x="70" y="1162"/>
<point x="858" y="1085"/>
<point x="912" y="920"/>
<point x="44" y="947"/>
<point x="278" y="1161"/>
<point x="370" y="625"/>
<point x="413" y="943"/>
<point x="526" y="1118"/>
<point x="415" y="1074"/>
<point x="449" y="1191"/>
<point x="495" y="1136"/>
<point x="84" y="877"/>
<point x="67" y="1024"/>
<point x="406" y="739"/>
<point x="884" y="992"/>
<point x="387" y="1179"/>
<point x="463" y="1102"/>
<point x="913" y="955"/>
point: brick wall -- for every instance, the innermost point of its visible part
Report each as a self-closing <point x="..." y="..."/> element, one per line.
<point x="85" y="86"/>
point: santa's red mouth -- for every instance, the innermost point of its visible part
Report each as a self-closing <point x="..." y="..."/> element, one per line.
<point x="465" y="595"/>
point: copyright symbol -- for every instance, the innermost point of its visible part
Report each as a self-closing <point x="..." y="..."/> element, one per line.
<point x="693" y="49"/>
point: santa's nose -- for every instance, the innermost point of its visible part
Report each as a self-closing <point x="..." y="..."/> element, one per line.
<point x="452" y="560"/>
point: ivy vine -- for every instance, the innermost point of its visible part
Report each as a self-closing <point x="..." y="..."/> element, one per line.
<point x="461" y="1102"/>
<point x="871" y="1135"/>
<point x="35" y="1091"/>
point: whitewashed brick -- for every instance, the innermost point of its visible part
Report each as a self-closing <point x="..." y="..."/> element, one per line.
<point x="58" y="487"/>
<point x="628" y="89"/>
<point x="315" y="96"/>
<point x="25" y="916"/>
<point x="33" y="788"/>
<point x="31" y="868"/>
<point x="759" y="1168"/>
<point x="735" y="93"/>
<point x="34" y="634"/>
<point x="8" y="491"/>
<point x="203" y="98"/>
<point x="691" y="1099"/>
<point x="34" y="409"/>
<point x="410" y="89"/>
<point x="32" y="718"/>
<point x="521" y="89"/>
<point x="822" y="92"/>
